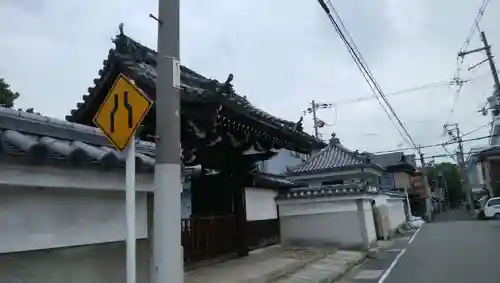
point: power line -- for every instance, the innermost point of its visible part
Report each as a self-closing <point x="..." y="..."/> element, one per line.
<point x="477" y="129"/>
<point x="435" y="145"/>
<point x="364" y="69"/>
<point x="460" y="60"/>
<point x="474" y="27"/>
<point x="436" y="84"/>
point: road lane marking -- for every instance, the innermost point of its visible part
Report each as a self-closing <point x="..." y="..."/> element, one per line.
<point x="369" y="274"/>
<point x="413" y="237"/>
<point x="394" y="250"/>
<point x="388" y="271"/>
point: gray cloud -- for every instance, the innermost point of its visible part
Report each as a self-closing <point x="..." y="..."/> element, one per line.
<point x="283" y="54"/>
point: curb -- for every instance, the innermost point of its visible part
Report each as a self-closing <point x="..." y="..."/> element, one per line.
<point x="275" y="275"/>
<point x="349" y="268"/>
<point x="287" y="270"/>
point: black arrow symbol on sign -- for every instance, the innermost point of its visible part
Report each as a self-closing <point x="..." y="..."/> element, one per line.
<point x="115" y="109"/>
<point x="128" y="107"/>
<point x="112" y="114"/>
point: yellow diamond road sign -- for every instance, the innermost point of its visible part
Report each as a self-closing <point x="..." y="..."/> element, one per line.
<point x="122" y="112"/>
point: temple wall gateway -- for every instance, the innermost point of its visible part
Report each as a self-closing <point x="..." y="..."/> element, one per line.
<point x="340" y="221"/>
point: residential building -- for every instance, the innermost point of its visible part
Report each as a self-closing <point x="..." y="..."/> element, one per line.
<point x="338" y="202"/>
<point x="398" y="170"/>
<point x="336" y="165"/>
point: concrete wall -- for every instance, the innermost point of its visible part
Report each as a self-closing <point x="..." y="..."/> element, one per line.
<point x="103" y="263"/>
<point x="32" y="219"/>
<point x="260" y="204"/>
<point x="396" y="210"/>
<point x="59" y="236"/>
<point x="371" y="233"/>
<point x="340" y="221"/>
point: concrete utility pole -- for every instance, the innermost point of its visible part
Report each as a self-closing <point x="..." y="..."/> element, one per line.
<point x="317" y="123"/>
<point x="167" y="249"/>
<point x="315" y="119"/>
<point x="489" y="58"/>
<point x="428" y="194"/>
<point x="454" y="132"/>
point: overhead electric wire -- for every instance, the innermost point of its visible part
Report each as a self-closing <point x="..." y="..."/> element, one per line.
<point x="460" y="59"/>
<point x="444" y="155"/>
<point x="443" y="83"/>
<point x="472" y="31"/>
<point x="353" y="54"/>
<point x="365" y="70"/>
<point x="434" y="145"/>
<point x="477" y="129"/>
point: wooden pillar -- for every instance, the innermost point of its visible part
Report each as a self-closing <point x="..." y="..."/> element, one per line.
<point x="237" y="181"/>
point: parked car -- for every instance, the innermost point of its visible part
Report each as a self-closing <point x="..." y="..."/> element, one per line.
<point x="492" y="208"/>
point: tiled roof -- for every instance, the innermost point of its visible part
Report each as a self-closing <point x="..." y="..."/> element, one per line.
<point x="139" y="63"/>
<point x="42" y="140"/>
<point x="271" y="180"/>
<point x="328" y="191"/>
<point x="258" y="179"/>
<point x="335" y="156"/>
<point x="392" y="159"/>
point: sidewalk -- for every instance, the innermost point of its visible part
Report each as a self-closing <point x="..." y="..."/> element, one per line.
<point x="277" y="264"/>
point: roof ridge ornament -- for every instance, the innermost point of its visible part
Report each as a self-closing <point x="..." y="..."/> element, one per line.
<point x="120" y="28"/>
<point x="299" y="125"/>
<point x="334" y="140"/>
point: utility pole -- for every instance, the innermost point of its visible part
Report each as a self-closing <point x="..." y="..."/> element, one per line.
<point x="447" y="200"/>
<point x="315" y="119"/>
<point x="317" y="123"/>
<point x="443" y="185"/>
<point x="167" y="249"/>
<point x="454" y="132"/>
<point x="428" y="194"/>
<point x="491" y="62"/>
<point x="489" y="57"/>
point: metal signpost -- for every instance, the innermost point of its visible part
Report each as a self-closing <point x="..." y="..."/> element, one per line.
<point x="118" y="117"/>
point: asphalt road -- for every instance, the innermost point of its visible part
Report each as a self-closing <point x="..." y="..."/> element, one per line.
<point x="452" y="249"/>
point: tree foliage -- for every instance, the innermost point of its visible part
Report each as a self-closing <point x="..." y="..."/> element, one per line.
<point x="7" y="96"/>
<point x="450" y="176"/>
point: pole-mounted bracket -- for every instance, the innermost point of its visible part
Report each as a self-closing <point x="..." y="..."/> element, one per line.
<point x="155" y="18"/>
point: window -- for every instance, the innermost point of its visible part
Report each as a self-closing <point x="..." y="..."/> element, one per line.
<point x="493" y="202"/>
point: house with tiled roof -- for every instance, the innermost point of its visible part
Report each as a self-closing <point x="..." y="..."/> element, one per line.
<point x="339" y="201"/>
<point x="398" y="170"/>
<point x="336" y="165"/>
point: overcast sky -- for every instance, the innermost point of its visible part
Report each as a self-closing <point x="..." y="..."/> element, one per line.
<point x="282" y="53"/>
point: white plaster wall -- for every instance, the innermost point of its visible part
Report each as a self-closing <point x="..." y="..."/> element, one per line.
<point x="260" y="204"/>
<point x="370" y="222"/>
<point x="70" y="178"/>
<point x="321" y="206"/>
<point x="381" y="199"/>
<point x="32" y="219"/>
<point x="339" y="221"/>
<point x="396" y="210"/>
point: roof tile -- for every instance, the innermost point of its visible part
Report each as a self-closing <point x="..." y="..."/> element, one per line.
<point x="335" y="156"/>
<point x="141" y="63"/>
